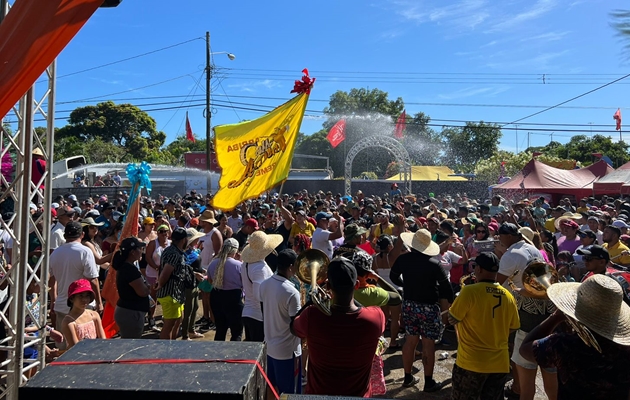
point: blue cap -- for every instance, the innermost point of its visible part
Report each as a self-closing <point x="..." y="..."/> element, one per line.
<point x="321" y="215"/>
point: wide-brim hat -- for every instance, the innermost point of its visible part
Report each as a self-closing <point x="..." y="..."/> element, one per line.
<point x="90" y="221"/>
<point x="421" y="241"/>
<point x="192" y="234"/>
<point x="259" y="246"/>
<point x="597" y="303"/>
<point x="439" y="213"/>
<point x="564" y="217"/>
<point x="208" y="216"/>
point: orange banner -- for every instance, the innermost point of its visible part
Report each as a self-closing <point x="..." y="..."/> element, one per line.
<point x="33" y="33"/>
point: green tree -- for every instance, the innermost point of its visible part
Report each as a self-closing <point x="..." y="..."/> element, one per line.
<point x="464" y="147"/>
<point x="122" y="124"/>
<point x="582" y="147"/>
<point x="489" y="169"/>
<point x="181" y="145"/>
<point x="315" y="145"/>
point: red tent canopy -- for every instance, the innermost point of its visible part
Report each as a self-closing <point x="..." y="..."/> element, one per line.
<point x="537" y="177"/>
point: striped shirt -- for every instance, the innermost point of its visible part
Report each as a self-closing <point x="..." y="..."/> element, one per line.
<point x="175" y="286"/>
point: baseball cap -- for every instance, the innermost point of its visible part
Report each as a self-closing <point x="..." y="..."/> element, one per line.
<point x="301" y="212"/>
<point x="61" y="211"/>
<point x="251" y="222"/>
<point x="341" y="273"/>
<point x="286" y="258"/>
<point x="570" y="223"/>
<point x="508" y="229"/>
<point x="73" y="230"/>
<point x="620" y="224"/>
<point x="131" y="243"/>
<point x="587" y="233"/>
<point x="488" y="261"/>
<point x="179" y="234"/>
<point x="322" y="215"/>
<point x="595" y="251"/>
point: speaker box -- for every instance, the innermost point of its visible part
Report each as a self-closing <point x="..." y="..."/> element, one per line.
<point x="159" y="370"/>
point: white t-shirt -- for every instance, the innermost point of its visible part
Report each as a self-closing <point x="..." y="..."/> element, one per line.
<point x="516" y="258"/>
<point x="8" y="244"/>
<point x="320" y="241"/>
<point x="68" y="263"/>
<point x="207" y="253"/>
<point x="252" y="275"/>
<point x="56" y="236"/>
<point x="447" y="260"/>
<point x="281" y="301"/>
<point x="235" y="223"/>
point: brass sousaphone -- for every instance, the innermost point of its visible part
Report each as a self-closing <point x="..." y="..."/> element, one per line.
<point x="537" y="277"/>
<point x="312" y="268"/>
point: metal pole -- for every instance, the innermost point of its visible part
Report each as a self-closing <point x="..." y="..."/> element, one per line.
<point x="516" y="138"/>
<point x="208" y="109"/>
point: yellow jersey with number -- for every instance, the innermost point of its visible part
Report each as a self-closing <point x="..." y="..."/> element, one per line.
<point x="486" y="313"/>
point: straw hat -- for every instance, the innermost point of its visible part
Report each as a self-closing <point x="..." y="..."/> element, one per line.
<point x="38" y="152"/>
<point x="527" y="233"/>
<point x="208" y="216"/>
<point x="259" y="246"/>
<point x="564" y="217"/>
<point x="439" y="213"/>
<point x="421" y="241"/>
<point x="597" y="303"/>
<point x="192" y="234"/>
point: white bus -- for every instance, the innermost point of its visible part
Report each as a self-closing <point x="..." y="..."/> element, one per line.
<point x="61" y="177"/>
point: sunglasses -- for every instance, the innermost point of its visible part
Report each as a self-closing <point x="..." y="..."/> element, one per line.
<point x="162" y="231"/>
<point x="481" y="231"/>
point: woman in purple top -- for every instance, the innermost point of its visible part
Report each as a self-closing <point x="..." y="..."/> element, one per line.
<point x="226" y="298"/>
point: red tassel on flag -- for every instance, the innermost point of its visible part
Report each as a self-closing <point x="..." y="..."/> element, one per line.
<point x="617" y="118"/>
<point x="189" y="132"/>
<point x="400" y="125"/>
<point x="337" y="133"/>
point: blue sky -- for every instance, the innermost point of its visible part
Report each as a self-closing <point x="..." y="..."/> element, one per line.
<point x="441" y="57"/>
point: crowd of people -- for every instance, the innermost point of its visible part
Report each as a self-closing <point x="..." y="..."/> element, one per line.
<point x="403" y="266"/>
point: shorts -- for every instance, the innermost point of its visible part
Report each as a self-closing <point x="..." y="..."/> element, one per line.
<point x="170" y="308"/>
<point x="286" y="375"/>
<point x="424" y="320"/>
<point x="205" y="286"/>
<point x="151" y="280"/>
<point x="476" y="385"/>
<point x="519" y="360"/>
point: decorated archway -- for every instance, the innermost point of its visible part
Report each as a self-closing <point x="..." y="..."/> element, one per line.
<point x="388" y="143"/>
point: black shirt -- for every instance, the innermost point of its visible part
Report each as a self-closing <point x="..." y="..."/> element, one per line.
<point x="423" y="279"/>
<point x="241" y="238"/>
<point x="272" y="259"/>
<point x="129" y="299"/>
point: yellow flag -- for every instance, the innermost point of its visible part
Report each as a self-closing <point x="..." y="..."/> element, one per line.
<point x="255" y="156"/>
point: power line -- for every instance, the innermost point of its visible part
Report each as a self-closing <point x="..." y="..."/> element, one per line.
<point x="571" y="99"/>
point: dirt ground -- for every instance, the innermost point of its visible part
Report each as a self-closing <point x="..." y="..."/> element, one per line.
<point x="393" y="368"/>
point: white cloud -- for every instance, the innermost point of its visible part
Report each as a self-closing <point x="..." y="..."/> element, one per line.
<point x="463" y="14"/>
<point x="475" y="91"/>
<point x="540" y="8"/>
<point x="251" y="87"/>
<point x="547" y="37"/>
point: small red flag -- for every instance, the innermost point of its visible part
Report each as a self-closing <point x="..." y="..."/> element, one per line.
<point x="189" y="132"/>
<point x="337" y="133"/>
<point x="400" y="125"/>
<point x="617" y="118"/>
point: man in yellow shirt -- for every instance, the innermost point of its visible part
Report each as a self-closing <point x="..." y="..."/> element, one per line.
<point x="484" y="313"/>
<point x="614" y="246"/>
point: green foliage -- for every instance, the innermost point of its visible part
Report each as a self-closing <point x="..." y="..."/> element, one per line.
<point x="465" y="147"/>
<point x="581" y="147"/>
<point x="122" y="124"/>
<point x="366" y="175"/>
<point x="181" y="145"/>
<point x="489" y="169"/>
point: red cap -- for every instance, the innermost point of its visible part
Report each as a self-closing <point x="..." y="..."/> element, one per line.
<point x="570" y="223"/>
<point x="251" y="222"/>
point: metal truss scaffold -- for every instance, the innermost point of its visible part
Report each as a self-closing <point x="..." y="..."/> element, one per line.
<point x="21" y="275"/>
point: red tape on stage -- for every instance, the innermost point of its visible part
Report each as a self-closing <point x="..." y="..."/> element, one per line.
<point x="171" y="361"/>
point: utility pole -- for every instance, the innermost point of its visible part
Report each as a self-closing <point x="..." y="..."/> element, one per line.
<point x="516" y="138"/>
<point x="208" y="109"/>
<point x="528" y="135"/>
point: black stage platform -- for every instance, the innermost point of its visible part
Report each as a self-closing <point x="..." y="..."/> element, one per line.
<point x="174" y="373"/>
